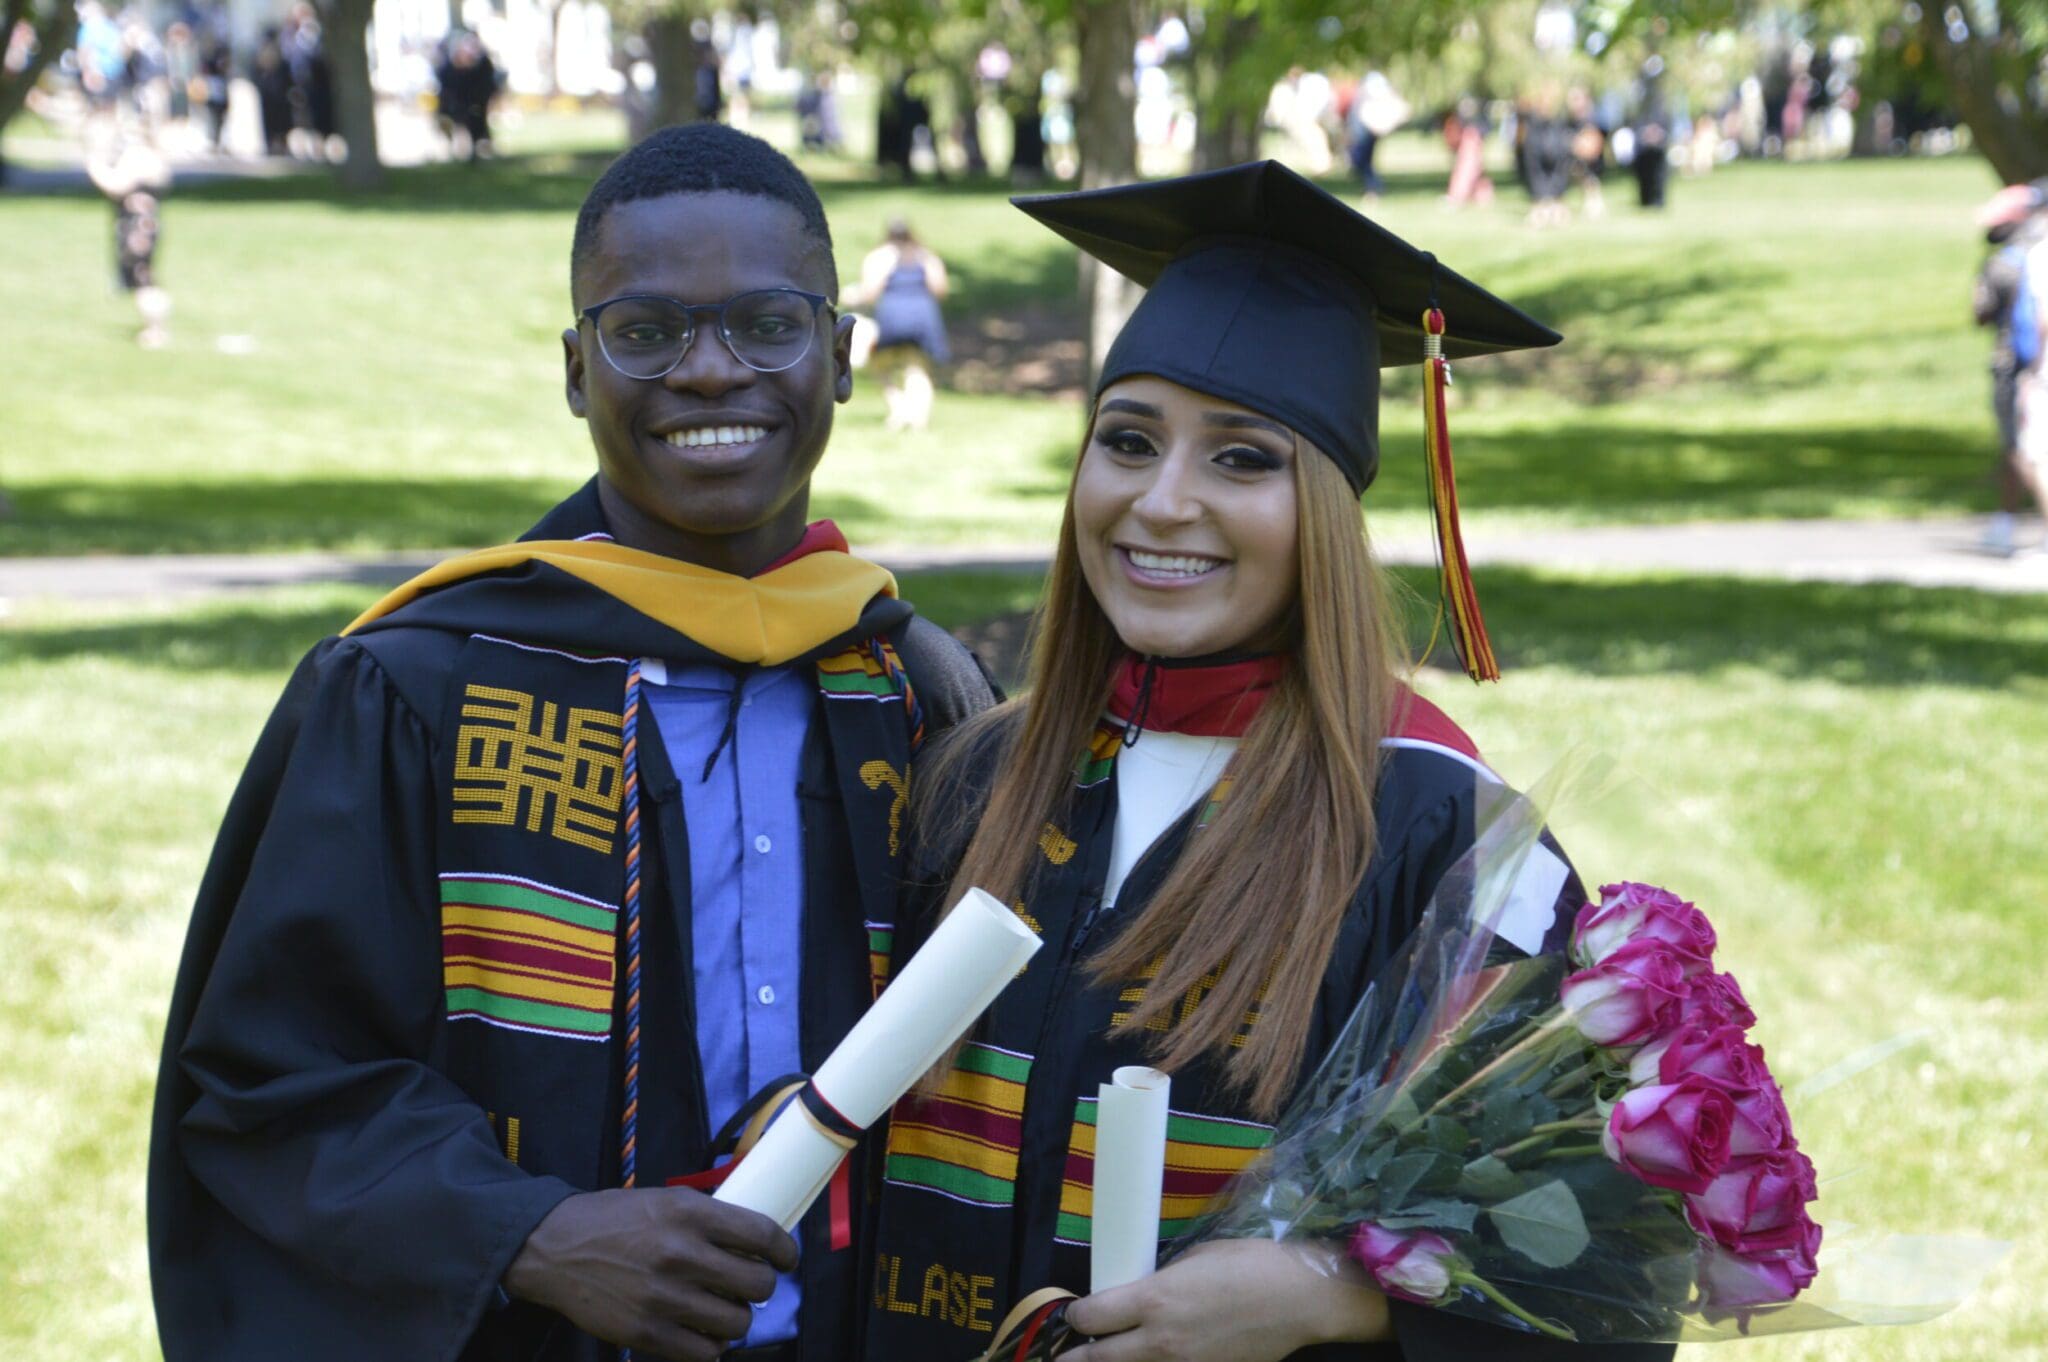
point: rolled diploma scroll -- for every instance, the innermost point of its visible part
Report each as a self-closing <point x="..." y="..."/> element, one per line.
<point x="1130" y="1174"/>
<point x="931" y="1002"/>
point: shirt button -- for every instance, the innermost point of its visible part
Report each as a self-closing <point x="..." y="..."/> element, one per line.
<point x="766" y="994"/>
<point x="761" y="844"/>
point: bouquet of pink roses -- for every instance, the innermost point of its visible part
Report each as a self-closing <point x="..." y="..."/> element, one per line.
<point x="1585" y="1144"/>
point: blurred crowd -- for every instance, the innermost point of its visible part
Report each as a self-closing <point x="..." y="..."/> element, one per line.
<point x="2011" y="300"/>
<point x="181" y="83"/>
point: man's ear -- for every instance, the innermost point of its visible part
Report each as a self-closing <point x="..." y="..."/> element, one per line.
<point x="842" y="359"/>
<point x="572" y="367"/>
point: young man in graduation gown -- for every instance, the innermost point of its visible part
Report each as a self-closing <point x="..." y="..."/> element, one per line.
<point x="1210" y="573"/>
<point x="559" y="854"/>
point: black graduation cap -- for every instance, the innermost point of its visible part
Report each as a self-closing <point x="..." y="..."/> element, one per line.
<point x="1270" y="293"/>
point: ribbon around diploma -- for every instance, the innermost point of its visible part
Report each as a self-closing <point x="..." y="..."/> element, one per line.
<point x="1036" y="1329"/>
<point x="738" y="1136"/>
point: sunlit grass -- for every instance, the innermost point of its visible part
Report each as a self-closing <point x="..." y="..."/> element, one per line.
<point x="1788" y="340"/>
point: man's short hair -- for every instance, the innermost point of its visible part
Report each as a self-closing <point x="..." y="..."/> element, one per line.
<point x="699" y="158"/>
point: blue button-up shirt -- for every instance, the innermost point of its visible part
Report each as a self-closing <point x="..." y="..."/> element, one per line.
<point x="746" y="887"/>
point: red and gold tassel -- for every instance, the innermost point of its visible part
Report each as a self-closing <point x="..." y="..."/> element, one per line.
<point x="1459" y="598"/>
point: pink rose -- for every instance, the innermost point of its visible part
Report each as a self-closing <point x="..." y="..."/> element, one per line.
<point x="1415" y="1267"/>
<point x="1762" y="1125"/>
<point x="1642" y="912"/>
<point x="1720" y="1054"/>
<point x="1722" y="1057"/>
<point x="1756" y="1206"/>
<point x="1729" y="1281"/>
<point x="1673" y="1135"/>
<point x="1716" y="1000"/>
<point x="1632" y="996"/>
<point x="1604" y="927"/>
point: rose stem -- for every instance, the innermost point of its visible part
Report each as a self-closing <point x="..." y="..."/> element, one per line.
<point x="1492" y="1293"/>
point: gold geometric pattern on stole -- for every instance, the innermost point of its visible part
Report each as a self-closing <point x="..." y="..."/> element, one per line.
<point x="1057" y="846"/>
<point x="566" y="769"/>
<point x="875" y="775"/>
<point x="1134" y="994"/>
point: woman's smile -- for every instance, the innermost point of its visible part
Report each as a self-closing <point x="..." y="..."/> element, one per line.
<point x="1184" y="520"/>
<point x="1168" y="570"/>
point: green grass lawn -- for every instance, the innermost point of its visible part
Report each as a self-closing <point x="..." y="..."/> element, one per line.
<point x="1847" y="778"/>
<point x="384" y="371"/>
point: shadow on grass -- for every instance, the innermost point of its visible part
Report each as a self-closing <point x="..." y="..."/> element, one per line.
<point x="238" y="516"/>
<point x="193" y="515"/>
<point x="1862" y="635"/>
<point x="270" y="632"/>
<point x="1621" y="473"/>
<point x="1597" y="472"/>
<point x="262" y="636"/>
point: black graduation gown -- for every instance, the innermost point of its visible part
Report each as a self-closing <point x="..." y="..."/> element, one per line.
<point x="986" y="1190"/>
<point x="355" y="1130"/>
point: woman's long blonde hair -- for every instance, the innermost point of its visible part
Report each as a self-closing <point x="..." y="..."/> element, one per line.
<point x="1250" y="912"/>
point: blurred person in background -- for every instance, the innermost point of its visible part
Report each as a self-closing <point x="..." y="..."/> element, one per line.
<point x="1652" y="129"/>
<point x="902" y="282"/>
<point x="133" y="177"/>
<point x="1376" y="111"/>
<point x="710" y="87"/>
<point x="2012" y="298"/>
<point x="2010" y="222"/>
<point x="1547" y="158"/>
<point x="181" y="70"/>
<point x="1465" y="135"/>
<point x="1589" y="150"/>
<point x="468" y="83"/>
<point x="312" y="82"/>
<point x="817" y="112"/>
<point x="272" y="78"/>
<point x="1297" y="107"/>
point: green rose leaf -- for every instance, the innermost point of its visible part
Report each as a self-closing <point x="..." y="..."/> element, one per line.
<point x="1544" y="1225"/>
<point x="1447" y="1135"/>
<point x="1399" y="1177"/>
<point x="1489" y="1178"/>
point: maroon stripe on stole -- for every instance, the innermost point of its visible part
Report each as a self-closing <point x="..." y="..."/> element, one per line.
<point x="1195" y="1182"/>
<point x="992" y="1127"/>
<point x="1178" y="1182"/>
<point x="519" y="953"/>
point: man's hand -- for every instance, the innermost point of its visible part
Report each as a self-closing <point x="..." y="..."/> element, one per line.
<point x="1237" y="1301"/>
<point x="666" y="1270"/>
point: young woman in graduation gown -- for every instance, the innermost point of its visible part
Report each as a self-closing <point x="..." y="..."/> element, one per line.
<point x="1218" y="803"/>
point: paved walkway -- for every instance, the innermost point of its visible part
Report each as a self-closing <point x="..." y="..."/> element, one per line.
<point x="1941" y="552"/>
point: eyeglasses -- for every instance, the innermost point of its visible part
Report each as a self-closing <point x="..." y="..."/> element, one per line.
<point x="646" y="336"/>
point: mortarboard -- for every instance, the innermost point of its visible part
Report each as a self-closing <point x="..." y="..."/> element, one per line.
<point x="1266" y="291"/>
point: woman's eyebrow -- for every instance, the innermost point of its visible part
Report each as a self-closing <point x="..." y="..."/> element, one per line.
<point x="1230" y="420"/>
<point x="1132" y="408"/>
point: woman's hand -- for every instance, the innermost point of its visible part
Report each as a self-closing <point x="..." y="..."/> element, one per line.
<point x="1237" y="1301"/>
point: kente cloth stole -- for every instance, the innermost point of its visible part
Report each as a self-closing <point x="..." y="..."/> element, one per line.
<point x="532" y="858"/>
<point x="943" y="1273"/>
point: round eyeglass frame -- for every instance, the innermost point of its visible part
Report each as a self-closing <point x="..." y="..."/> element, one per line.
<point x="818" y="302"/>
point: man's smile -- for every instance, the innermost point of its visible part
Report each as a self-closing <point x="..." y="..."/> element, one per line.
<point x="697" y="437"/>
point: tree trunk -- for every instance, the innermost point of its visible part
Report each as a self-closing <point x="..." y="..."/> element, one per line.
<point x="675" y="68"/>
<point x="1105" y="129"/>
<point x="1226" y="137"/>
<point x="345" y="27"/>
<point x="1229" y="109"/>
<point x="2010" y="135"/>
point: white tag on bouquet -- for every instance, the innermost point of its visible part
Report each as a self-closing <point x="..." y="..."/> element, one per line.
<point x="1532" y="904"/>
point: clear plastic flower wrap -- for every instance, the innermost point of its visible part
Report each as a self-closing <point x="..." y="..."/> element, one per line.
<point x="1583" y="1144"/>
